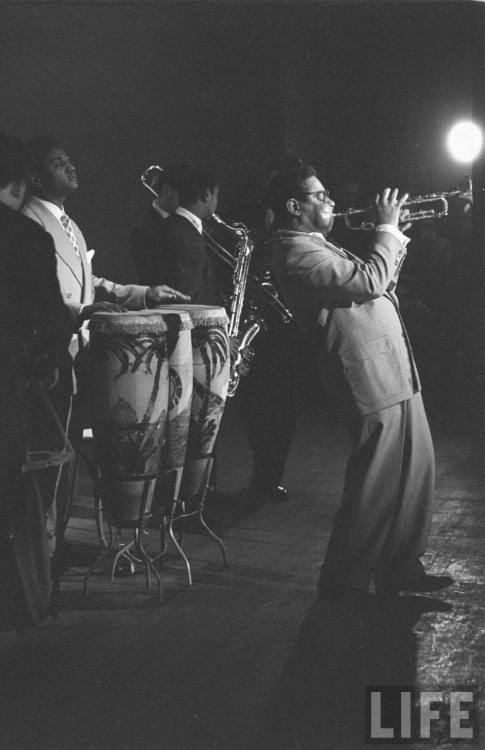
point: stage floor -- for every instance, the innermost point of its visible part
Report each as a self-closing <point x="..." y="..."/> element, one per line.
<point x="244" y="659"/>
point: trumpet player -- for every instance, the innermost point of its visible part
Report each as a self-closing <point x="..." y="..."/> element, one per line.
<point x="348" y="310"/>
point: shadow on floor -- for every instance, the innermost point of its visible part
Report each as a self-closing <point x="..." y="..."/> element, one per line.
<point x="342" y="647"/>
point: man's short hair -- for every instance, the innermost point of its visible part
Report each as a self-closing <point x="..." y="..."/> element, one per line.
<point x="168" y="176"/>
<point x="286" y="184"/>
<point x="192" y="182"/>
<point x="40" y="147"/>
<point x="14" y="160"/>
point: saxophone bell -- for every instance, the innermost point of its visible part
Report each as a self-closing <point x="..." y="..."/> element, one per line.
<point x="245" y="355"/>
<point x="261" y="287"/>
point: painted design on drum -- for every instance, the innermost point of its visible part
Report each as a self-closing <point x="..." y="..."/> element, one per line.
<point x="175" y="388"/>
<point x="130" y="442"/>
<point x="132" y="451"/>
<point x="179" y="345"/>
<point x="176" y="444"/>
<point x="207" y="406"/>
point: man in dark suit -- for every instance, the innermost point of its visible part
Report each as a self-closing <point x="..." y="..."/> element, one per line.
<point x="184" y="261"/>
<point x="35" y="329"/>
<point x="147" y="238"/>
<point x="347" y="307"/>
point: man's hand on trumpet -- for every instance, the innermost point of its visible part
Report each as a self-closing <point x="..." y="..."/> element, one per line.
<point x="389" y="208"/>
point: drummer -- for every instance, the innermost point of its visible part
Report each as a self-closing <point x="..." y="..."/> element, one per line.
<point x="54" y="179"/>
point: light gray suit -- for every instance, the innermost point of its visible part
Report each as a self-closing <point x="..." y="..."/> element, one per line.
<point x="78" y="284"/>
<point x="78" y="287"/>
<point x="347" y="308"/>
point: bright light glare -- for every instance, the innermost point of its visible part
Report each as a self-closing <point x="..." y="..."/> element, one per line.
<point x="465" y="141"/>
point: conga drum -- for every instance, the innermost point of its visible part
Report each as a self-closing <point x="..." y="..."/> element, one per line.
<point x="179" y="349"/>
<point x="211" y="369"/>
<point x="129" y="402"/>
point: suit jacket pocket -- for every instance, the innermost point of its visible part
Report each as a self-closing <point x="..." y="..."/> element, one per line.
<point x="373" y="372"/>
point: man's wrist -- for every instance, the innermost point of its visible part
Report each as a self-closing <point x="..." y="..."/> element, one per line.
<point x="403" y="239"/>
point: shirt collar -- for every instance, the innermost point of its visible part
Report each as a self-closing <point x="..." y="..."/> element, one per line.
<point x="197" y="223"/>
<point x="53" y="208"/>
<point x="318" y="235"/>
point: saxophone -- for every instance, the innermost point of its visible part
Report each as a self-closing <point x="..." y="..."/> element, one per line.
<point x="252" y="322"/>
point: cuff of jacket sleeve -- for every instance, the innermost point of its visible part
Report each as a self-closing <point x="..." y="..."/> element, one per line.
<point x="395" y="231"/>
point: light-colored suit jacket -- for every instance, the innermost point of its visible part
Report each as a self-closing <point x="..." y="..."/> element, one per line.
<point x="78" y="285"/>
<point x="347" y="308"/>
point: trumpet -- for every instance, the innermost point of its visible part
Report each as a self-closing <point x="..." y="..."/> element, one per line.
<point x="431" y="206"/>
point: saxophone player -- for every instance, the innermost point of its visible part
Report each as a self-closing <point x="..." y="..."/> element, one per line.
<point x="183" y="259"/>
<point x="183" y="256"/>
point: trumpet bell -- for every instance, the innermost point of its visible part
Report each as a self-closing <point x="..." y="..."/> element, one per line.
<point x="431" y="206"/>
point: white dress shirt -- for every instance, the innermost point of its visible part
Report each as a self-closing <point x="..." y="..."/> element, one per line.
<point x="190" y="217"/>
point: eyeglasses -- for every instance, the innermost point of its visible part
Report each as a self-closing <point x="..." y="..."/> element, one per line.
<point x="321" y="195"/>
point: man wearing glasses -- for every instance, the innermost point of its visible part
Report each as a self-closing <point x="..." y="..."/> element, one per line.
<point x="347" y="308"/>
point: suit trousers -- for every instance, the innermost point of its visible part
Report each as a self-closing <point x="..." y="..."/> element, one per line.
<point x="269" y="393"/>
<point x="384" y="519"/>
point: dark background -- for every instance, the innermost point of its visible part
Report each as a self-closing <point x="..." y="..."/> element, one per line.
<point x="365" y="91"/>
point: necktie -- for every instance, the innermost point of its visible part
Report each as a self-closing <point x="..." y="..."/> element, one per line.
<point x="66" y="223"/>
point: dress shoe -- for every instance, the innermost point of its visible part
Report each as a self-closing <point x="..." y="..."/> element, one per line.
<point x="389" y="585"/>
<point x="272" y="493"/>
<point x="278" y="494"/>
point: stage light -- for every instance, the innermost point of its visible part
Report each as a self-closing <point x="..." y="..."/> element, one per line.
<point x="465" y="141"/>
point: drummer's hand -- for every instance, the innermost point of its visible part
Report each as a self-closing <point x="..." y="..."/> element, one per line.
<point x="163" y="295"/>
<point x="88" y="310"/>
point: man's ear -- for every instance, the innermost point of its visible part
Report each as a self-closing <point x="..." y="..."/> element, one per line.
<point x="13" y="194"/>
<point x="17" y="189"/>
<point x="35" y="181"/>
<point x="205" y="195"/>
<point x="293" y="207"/>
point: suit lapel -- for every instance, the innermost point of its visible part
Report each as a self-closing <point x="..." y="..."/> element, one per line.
<point x="340" y="251"/>
<point x="67" y="254"/>
<point x="85" y="268"/>
<point x="64" y="248"/>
